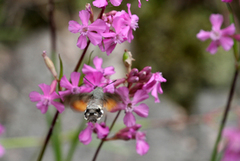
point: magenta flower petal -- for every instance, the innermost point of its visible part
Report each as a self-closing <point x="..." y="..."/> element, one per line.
<point x="64" y="93"/>
<point x="203" y="35"/>
<point x="42" y="107"/>
<point x="226" y="43"/>
<point x="35" y="96"/>
<point x="100" y="3"/>
<point x="65" y="83"/>
<point x="230" y="30"/>
<point x="129" y="119"/>
<point x="109" y="71"/>
<point x="116" y="2"/>
<point x="94" y="79"/>
<point x="154" y="93"/>
<point x="227" y="1"/>
<point x="139" y="96"/>
<point x="98" y="63"/>
<point x="141" y="110"/>
<point x="123" y="92"/>
<point x="82" y="42"/>
<point x="74" y="27"/>
<point x="216" y="21"/>
<point x="84" y="17"/>
<point x="98" y="25"/>
<point x="59" y="106"/>
<point x="75" y="76"/>
<point x="212" y="48"/>
<point x="45" y="88"/>
<point x="85" y="135"/>
<point x="139" y="4"/>
<point x="95" y="38"/>
<point x="88" y="69"/>
<point x="142" y="147"/>
<point x="102" y="130"/>
<point x="2" y="151"/>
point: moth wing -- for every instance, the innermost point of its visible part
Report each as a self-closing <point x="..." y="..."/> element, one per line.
<point x="78" y="102"/>
<point x="111" y="101"/>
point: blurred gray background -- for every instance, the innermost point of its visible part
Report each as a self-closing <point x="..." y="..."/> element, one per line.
<point x="182" y="127"/>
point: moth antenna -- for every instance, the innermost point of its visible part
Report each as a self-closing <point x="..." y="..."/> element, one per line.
<point x="109" y="84"/>
<point x="88" y="81"/>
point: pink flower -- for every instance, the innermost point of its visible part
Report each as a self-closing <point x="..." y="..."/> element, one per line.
<point x="71" y="88"/>
<point x="104" y="3"/>
<point x="96" y="79"/>
<point x="128" y="133"/>
<point x="227" y="1"/>
<point x="101" y="130"/>
<point x="92" y="31"/>
<point x="129" y="23"/>
<point x="47" y="98"/>
<point x="232" y="149"/>
<point x="113" y="38"/>
<point x="131" y="105"/>
<point x="220" y="37"/>
<point x="142" y="146"/>
<point x="154" y="85"/>
<point x="98" y="68"/>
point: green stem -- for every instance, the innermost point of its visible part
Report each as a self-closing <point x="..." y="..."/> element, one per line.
<point x="224" y="119"/>
<point x="103" y="140"/>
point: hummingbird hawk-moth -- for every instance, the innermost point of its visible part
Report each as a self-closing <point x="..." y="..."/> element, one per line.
<point x="92" y="103"/>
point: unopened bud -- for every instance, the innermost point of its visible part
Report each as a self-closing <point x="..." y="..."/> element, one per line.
<point x="133" y="72"/>
<point x="89" y="9"/>
<point x="134" y="89"/>
<point x="127" y="60"/>
<point x="133" y="79"/>
<point x="49" y="64"/>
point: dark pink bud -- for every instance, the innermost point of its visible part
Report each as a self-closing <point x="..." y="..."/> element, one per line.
<point x="133" y="72"/>
<point x="136" y="87"/>
<point x="147" y="69"/>
<point x="133" y="79"/>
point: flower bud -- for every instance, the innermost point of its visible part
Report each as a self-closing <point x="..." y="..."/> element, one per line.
<point x="127" y="60"/>
<point x="89" y="9"/>
<point x="133" y="79"/>
<point x="49" y="64"/>
<point x="133" y="72"/>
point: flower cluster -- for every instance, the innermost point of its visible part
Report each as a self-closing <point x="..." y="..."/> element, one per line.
<point x="113" y="28"/>
<point x="139" y="85"/>
<point x="2" y="150"/>
<point x="93" y="92"/>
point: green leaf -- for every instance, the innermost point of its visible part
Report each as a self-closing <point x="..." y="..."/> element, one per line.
<point x="61" y="67"/>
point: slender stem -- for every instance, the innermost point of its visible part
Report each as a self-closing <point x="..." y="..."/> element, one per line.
<point x="225" y="115"/>
<point x="103" y="140"/>
<point x="82" y="56"/>
<point x="48" y="136"/>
